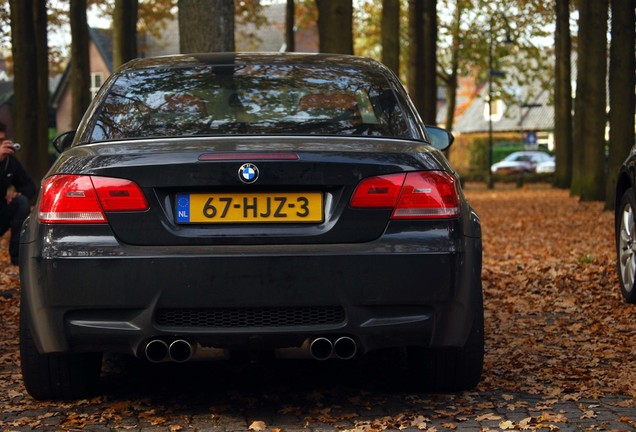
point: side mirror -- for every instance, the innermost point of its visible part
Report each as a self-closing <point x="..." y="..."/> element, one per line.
<point x="440" y="138"/>
<point x="63" y="141"/>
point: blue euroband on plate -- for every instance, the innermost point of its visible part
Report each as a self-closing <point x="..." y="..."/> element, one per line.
<point x="183" y="208"/>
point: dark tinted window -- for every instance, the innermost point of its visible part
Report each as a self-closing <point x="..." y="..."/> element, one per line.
<point x="249" y="99"/>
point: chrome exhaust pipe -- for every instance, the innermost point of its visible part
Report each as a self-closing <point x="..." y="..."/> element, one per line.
<point x="345" y="348"/>
<point x="180" y="351"/>
<point x="321" y="348"/>
<point x="156" y="351"/>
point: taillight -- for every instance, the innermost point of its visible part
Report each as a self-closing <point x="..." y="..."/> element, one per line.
<point x="119" y="194"/>
<point x="84" y="199"/>
<point x="378" y="192"/>
<point x="415" y="195"/>
<point x="428" y="195"/>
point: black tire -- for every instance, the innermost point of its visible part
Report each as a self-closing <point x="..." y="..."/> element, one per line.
<point x="625" y="230"/>
<point x="56" y="376"/>
<point x="450" y="369"/>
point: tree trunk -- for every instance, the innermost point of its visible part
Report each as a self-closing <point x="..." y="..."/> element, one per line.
<point x="206" y="26"/>
<point x="451" y="102"/>
<point x="451" y="79"/>
<point x="335" y="26"/>
<point x="38" y="159"/>
<point x="590" y="118"/>
<point x="30" y="85"/>
<point x="80" y="62"/>
<point x="391" y="34"/>
<point x="125" y="31"/>
<point x="289" y="26"/>
<point x="622" y="102"/>
<point x="429" y="71"/>
<point x="416" y="53"/>
<point x="563" y="96"/>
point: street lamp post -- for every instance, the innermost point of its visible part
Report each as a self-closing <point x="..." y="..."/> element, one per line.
<point x="491" y="47"/>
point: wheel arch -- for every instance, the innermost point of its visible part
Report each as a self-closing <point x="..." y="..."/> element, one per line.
<point x="623" y="183"/>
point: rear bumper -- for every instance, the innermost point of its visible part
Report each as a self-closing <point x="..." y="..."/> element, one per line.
<point x="409" y="288"/>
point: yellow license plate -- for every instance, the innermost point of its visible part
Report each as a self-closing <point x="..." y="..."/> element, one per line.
<point x="250" y="207"/>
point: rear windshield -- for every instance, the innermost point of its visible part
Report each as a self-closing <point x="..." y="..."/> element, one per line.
<point x="249" y="99"/>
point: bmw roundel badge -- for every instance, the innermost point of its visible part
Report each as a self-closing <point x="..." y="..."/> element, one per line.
<point x="248" y="173"/>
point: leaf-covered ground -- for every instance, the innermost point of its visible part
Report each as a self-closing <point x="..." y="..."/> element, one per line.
<point x="556" y="321"/>
<point x="560" y="351"/>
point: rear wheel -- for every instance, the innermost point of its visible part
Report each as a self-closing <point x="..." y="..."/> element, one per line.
<point x="450" y="369"/>
<point x="626" y="246"/>
<point x="56" y="376"/>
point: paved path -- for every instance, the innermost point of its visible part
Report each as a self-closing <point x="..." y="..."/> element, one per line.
<point x="294" y="396"/>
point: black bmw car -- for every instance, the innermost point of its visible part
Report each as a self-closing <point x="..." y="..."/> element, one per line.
<point x="222" y="203"/>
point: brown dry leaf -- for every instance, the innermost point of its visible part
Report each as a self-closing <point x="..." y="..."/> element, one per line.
<point x="506" y="425"/>
<point x="258" y="426"/>
<point x="589" y="414"/>
<point x="525" y="423"/>
<point x="553" y="417"/>
<point x="489" y="416"/>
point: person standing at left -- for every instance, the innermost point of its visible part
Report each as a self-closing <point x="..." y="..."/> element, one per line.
<point x="18" y="189"/>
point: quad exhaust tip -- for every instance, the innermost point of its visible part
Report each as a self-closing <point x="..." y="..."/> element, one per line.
<point x="156" y="351"/>
<point x="321" y="348"/>
<point x="179" y="351"/>
<point x="344" y="348"/>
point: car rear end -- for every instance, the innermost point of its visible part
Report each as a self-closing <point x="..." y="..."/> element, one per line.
<point x="172" y="248"/>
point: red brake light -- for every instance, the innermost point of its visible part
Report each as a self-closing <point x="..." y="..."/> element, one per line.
<point x="415" y="195"/>
<point x="74" y="199"/>
<point x="378" y="192"/>
<point x="428" y="195"/>
<point x="119" y="194"/>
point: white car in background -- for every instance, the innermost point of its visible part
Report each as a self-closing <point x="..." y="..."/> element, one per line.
<point x="524" y="162"/>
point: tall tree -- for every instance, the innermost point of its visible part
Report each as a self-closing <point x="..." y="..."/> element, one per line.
<point x="622" y="102"/>
<point x="290" y="23"/>
<point x="391" y="34"/>
<point x="80" y="62"/>
<point x="335" y="26"/>
<point x="30" y="86"/>
<point x="125" y="31"/>
<point x="416" y="53"/>
<point x="563" y="96"/>
<point x="206" y="26"/>
<point x="428" y="110"/>
<point x="449" y="76"/>
<point x="588" y="176"/>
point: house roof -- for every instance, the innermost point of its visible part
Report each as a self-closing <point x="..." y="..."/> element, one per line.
<point x="536" y="115"/>
<point x="103" y="40"/>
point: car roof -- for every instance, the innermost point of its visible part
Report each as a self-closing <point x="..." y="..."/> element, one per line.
<point x="238" y="58"/>
<point x="528" y="152"/>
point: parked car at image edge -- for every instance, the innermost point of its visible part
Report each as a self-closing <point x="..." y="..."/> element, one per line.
<point x="223" y="203"/>
<point x="524" y="162"/>
<point x="625" y="227"/>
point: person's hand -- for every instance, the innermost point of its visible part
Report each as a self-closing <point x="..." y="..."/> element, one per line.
<point x="6" y="148"/>
<point x="10" y="196"/>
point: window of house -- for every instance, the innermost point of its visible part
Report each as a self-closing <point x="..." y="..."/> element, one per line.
<point x="97" y="78"/>
<point x="498" y="108"/>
